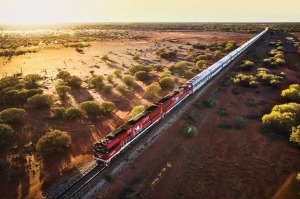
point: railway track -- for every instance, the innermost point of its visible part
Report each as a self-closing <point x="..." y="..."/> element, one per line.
<point x="80" y="183"/>
<point x="76" y="190"/>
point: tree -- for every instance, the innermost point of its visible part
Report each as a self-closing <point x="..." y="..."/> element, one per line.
<point x="201" y="64"/>
<point x="12" y="115"/>
<point x="107" y="106"/>
<point x="128" y="80"/>
<point x="292" y="94"/>
<point x="167" y="82"/>
<point x="124" y="91"/>
<point x="7" y="136"/>
<point x="74" y="81"/>
<point x="73" y="113"/>
<point x="217" y="54"/>
<point x="179" y="68"/>
<point x="31" y="80"/>
<point x="295" y="135"/>
<point x="41" y="100"/>
<point x="238" y="122"/>
<point x="58" y="112"/>
<point x="152" y="90"/>
<point x="141" y="75"/>
<point x="64" y="75"/>
<point x="91" y="108"/>
<point x="62" y="90"/>
<point x="137" y="110"/>
<point x="54" y="142"/>
<point x="97" y="81"/>
<point x="189" y="131"/>
<point x="8" y="81"/>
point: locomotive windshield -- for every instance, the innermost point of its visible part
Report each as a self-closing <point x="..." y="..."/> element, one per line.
<point x="99" y="148"/>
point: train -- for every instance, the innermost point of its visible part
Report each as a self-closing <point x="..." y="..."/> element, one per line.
<point x="116" y="141"/>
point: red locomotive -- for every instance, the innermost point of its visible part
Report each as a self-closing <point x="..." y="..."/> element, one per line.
<point x="120" y="138"/>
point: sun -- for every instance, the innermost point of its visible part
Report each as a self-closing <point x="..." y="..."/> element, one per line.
<point x="35" y="12"/>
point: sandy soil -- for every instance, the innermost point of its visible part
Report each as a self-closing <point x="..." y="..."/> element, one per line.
<point x="35" y="175"/>
<point x="217" y="163"/>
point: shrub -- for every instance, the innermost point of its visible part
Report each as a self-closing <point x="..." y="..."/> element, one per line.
<point x="238" y="122"/>
<point x="165" y="74"/>
<point x="292" y="94"/>
<point x="74" y="81"/>
<point x="201" y="57"/>
<point x="8" y="81"/>
<point x="107" y="106"/>
<point x="73" y="113"/>
<point x="246" y="65"/>
<point x="217" y="54"/>
<point x="282" y="117"/>
<point x="91" y="108"/>
<point x="7" y="136"/>
<point x="54" y="142"/>
<point x="137" y="110"/>
<point x="97" y="81"/>
<point x="152" y="90"/>
<point x="156" y="67"/>
<point x="58" y="112"/>
<point x="110" y="78"/>
<point x="105" y="58"/>
<point x="142" y="75"/>
<point x="189" y="131"/>
<point x="124" y="91"/>
<point x="118" y="73"/>
<point x="201" y="64"/>
<point x="136" y="68"/>
<point x="41" y="100"/>
<point x="295" y="135"/>
<point x="167" y="82"/>
<point x="128" y="80"/>
<point x="136" y="57"/>
<point x="64" y="75"/>
<point x="31" y="80"/>
<point x="179" y="68"/>
<point x="62" y="90"/>
<point x="12" y="115"/>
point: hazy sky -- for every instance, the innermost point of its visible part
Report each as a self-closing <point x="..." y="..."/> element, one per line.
<point x="29" y="12"/>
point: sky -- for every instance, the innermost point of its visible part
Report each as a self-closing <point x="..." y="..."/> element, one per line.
<point x="40" y="12"/>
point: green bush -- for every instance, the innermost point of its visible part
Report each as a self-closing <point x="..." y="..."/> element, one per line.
<point x="238" y="122"/>
<point x="118" y="73"/>
<point x="97" y="81"/>
<point x="105" y="58"/>
<point x="91" y="108"/>
<point x="165" y="74"/>
<point x="74" y="81"/>
<point x="201" y="64"/>
<point x="31" y="80"/>
<point x="133" y="69"/>
<point x="167" y="82"/>
<point x="41" y="100"/>
<point x="124" y="91"/>
<point x="190" y="131"/>
<point x="179" y="68"/>
<point x="8" y="81"/>
<point x="7" y="136"/>
<point x="58" y="112"/>
<point x="128" y="80"/>
<point x="64" y="75"/>
<point x="152" y="90"/>
<point x="137" y="110"/>
<point x="292" y="94"/>
<point x="295" y="135"/>
<point x="142" y="76"/>
<point x="62" y="90"/>
<point x="12" y="115"/>
<point x="73" y="113"/>
<point x="107" y="106"/>
<point x="54" y="142"/>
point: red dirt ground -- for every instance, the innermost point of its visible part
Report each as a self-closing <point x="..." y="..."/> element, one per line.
<point x="217" y="163"/>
